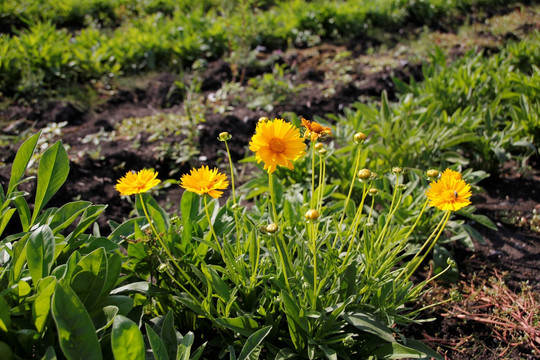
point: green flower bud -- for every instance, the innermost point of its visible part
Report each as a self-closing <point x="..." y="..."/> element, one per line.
<point x="224" y="136"/>
<point x="312" y="214"/>
<point x="271" y="228"/>
<point x="397" y="170"/>
<point x="364" y="174"/>
<point x="359" y="137"/>
<point x="433" y="174"/>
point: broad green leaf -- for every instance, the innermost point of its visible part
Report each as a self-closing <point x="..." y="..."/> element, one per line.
<point x="253" y="342"/>
<point x="88" y="217"/>
<point x="89" y="276"/>
<point x="122" y="302"/>
<point x="41" y="307"/>
<point x="142" y="287"/>
<point x="52" y="172"/>
<point x="108" y="313"/>
<point x="243" y="325"/>
<point x="329" y="353"/>
<point x="126" y="230"/>
<point x="4" y="219"/>
<point x="5" y="318"/>
<point x="19" y="258"/>
<point x="67" y="214"/>
<point x="399" y="351"/>
<point x="184" y="348"/>
<point x="114" y="267"/>
<point x="24" y="212"/>
<point x="158" y="348"/>
<point x="50" y="354"/>
<point x="367" y="323"/>
<point x="168" y="335"/>
<point x="76" y="333"/>
<point x="126" y="340"/>
<point x="20" y="163"/>
<point x="40" y="252"/>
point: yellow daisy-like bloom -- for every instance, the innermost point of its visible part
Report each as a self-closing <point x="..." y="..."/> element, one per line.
<point x="137" y="183"/>
<point x="205" y="181"/>
<point x="314" y="130"/>
<point x="277" y="142"/>
<point x="450" y="192"/>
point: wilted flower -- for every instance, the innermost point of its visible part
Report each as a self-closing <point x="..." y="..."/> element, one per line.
<point x="314" y="130"/>
<point x="450" y="192"/>
<point x="137" y="183"/>
<point x="205" y="181"/>
<point x="276" y="143"/>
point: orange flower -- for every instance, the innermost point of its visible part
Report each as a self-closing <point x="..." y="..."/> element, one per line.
<point x="137" y="183"/>
<point x="314" y="130"/>
<point x="205" y="181"/>
<point x="450" y="192"/>
<point x="276" y="143"/>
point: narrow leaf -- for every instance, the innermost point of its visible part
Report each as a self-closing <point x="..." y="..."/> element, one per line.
<point x="126" y="340"/>
<point x="253" y="342"/>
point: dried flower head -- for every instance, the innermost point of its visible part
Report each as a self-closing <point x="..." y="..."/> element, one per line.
<point x="314" y="130"/>
<point x="450" y="192"/>
<point x="205" y="181"/>
<point x="137" y="183"/>
<point x="276" y="143"/>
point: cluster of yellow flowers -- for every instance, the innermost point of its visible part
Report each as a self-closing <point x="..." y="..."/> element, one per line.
<point x="279" y="143"/>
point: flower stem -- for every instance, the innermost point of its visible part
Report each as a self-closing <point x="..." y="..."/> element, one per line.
<point x="356" y="164"/>
<point x="232" y="172"/>
<point x="238" y="248"/>
<point x="212" y="229"/>
<point x="171" y="257"/>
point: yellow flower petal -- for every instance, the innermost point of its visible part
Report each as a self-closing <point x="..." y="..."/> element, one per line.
<point x="205" y="181"/>
<point x="277" y="143"/>
<point x="450" y="192"/>
<point x="137" y="183"/>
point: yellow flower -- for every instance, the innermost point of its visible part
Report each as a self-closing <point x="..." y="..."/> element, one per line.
<point x="137" y="183"/>
<point x="205" y="181"/>
<point x="450" y="192"/>
<point x="314" y="130"/>
<point x="276" y="143"/>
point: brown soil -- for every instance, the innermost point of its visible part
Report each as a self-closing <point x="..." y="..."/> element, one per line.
<point x="509" y="198"/>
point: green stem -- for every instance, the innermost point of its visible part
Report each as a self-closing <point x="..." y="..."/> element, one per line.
<point x="238" y="237"/>
<point x="356" y="164"/>
<point x="212" y="229"/>
<point x="171" y="257"/>
<point x="232" y="172"/>
<point x="272" y="197"/>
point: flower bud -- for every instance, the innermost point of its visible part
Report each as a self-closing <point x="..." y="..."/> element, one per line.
<point x="374" y="175"/>
<point x="263" y="119"/>
<point x="433" y="174"/>
<point x="322" y="152"/>
<point x="319" y="146"/>
<point x="364" y="174"/>
<point x="271" y="228"/>
<point x="359" y="137"/>
<point x="312" y="214"/>
<point x="397" y="170"/>
<point x="373" y="191"/>
<point x="224" y="136"/>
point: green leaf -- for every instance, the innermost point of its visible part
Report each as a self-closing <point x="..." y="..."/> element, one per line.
<point x="368" y="323"/>
<point x="158" y="215"/>
<point x="126" y="340"/>
<point x="76" y="333"/>
<point x="88" y="217"/>
<point x="40" y="252"/>
<point x="108" y="314"/>
<point x="243" y="325"/>
<point x="413" y="350"/>
<point x="4" y="219"/>
<point x="24" y="212"/>
<point x="19" y="258"/>
<point x="24" y="154"/>
<point x="67" y="214"/>
<point x="5" y="318"/>
<point x="52" y="172"/>
<point x="50" y="354"/>
<point x="89" y="276"/>
<point x="184" y="348"/>
<point x="158" y="348"/>
<point x="253" y="342"/>
<point x="168" y="335"/>
<point x="41" y="307"/>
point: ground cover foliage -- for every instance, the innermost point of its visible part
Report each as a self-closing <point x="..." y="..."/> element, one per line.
<point x="234" y="290"/>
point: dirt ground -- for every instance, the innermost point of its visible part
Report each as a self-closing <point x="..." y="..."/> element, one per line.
<point x="509" y="198"/>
